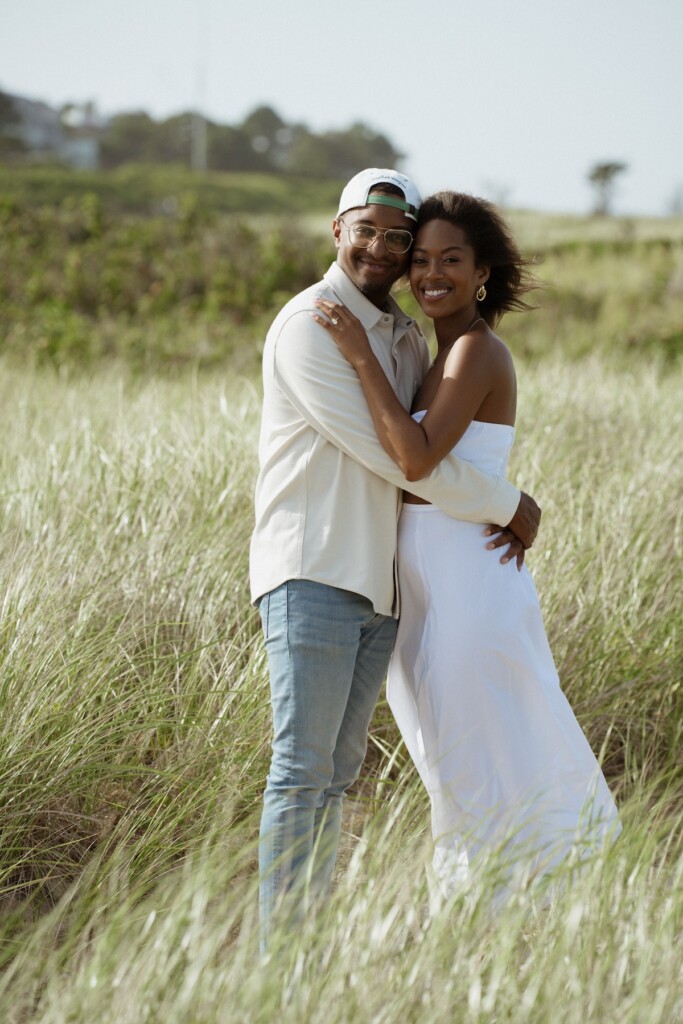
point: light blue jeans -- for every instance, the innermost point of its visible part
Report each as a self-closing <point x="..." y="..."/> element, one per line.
<point x="328" y="652"/>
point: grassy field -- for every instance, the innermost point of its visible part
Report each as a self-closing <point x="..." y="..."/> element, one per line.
<point x="134" y="720"/>
<point x="134" y="715"/>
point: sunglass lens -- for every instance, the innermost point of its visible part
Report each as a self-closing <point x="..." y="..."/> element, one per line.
<point x="362" y="235"/>
<point x="398" y="241"/>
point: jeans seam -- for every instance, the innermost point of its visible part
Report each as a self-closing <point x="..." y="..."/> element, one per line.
<point x="291" y="740"/>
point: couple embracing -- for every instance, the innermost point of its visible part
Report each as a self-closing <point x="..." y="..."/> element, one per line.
<point x="381" y="502"/>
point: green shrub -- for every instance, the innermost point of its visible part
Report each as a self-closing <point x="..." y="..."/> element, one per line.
<point x="80" y="277"/>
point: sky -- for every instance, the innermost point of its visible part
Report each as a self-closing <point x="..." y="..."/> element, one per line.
<point x="512" y="99"/>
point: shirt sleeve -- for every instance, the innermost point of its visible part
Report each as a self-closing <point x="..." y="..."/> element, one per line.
<point x="327" y="393"/>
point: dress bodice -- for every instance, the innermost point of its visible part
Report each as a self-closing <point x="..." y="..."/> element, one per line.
<point x="485" y="445"/>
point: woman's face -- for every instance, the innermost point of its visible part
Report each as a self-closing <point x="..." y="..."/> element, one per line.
<point x="443" y="275"/>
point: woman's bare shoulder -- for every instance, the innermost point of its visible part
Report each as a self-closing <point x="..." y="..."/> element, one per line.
<point x="481" y="346"/>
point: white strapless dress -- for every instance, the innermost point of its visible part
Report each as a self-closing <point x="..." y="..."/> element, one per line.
<point x="475" y="693"/>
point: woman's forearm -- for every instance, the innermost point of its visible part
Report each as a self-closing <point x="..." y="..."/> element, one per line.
<point x="401" y="437"/>
<point x="416" y="448"/>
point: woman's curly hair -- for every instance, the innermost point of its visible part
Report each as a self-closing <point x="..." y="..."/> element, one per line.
<point x="494" y="246"/>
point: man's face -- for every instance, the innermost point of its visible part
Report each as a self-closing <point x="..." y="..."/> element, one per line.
<point x="375" y="269"/>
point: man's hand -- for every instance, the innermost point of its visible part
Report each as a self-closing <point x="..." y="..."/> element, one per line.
<point x="520" y="532"/>
<point x="504" y="537"/>
<point x="524" y="524"/>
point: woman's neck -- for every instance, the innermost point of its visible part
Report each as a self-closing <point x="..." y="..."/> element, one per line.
<point x="449" y="329"/>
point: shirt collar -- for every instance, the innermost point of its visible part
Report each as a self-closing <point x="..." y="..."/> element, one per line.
<point x="368" y="314"/>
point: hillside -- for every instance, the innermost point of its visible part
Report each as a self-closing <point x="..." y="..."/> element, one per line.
<point x="162" y="268"/>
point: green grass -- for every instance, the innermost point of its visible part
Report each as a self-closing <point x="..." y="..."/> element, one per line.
<point x="134" y="723"/>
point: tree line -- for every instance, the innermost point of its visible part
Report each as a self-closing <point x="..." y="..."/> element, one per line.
<point x="263" y="142"/>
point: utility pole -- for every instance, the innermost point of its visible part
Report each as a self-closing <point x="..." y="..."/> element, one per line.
<point x="198" y="139"/>
<point x="198" y="142"/>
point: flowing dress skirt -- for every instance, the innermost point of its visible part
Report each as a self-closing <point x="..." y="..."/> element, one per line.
<point x="474" y="690"/>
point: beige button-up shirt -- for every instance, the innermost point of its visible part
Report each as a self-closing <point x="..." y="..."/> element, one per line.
<point x="327" y="495"/>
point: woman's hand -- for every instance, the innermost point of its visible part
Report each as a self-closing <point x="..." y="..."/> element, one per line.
<point x="345" y="329"/>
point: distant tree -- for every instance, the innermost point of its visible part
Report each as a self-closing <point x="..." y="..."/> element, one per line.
<point x="262" y="121"/>
<point x="230" y="149"/>
<point x="309" y="155"/>
<point x="11" y="144"/>
<point x="9" y="115"/>
<point x="138" y="137"/>
<point x="266" y="131"/>
<point x="171" y="139"/>
<point x="130" y="137"/>
<point x="357" y="147"/>
<point x="602" y="177"/>
<point x="263" y="142"/>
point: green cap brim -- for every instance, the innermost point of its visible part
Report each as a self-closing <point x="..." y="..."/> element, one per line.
<point x="399" y="204"/>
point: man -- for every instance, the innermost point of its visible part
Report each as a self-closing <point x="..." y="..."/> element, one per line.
<point x="323" y="549"/>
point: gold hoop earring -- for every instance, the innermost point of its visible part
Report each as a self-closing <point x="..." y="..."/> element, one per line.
<point x="481" y="294"/>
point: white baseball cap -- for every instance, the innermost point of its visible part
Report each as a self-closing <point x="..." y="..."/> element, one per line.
<point x="357" y="191"/>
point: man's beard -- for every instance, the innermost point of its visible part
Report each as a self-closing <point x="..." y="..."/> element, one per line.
<point x="375" y="295"/>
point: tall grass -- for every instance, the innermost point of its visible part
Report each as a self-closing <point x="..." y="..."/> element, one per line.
<point x="134" y="724"/>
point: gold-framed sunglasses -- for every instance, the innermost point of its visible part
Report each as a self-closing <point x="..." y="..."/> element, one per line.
<point x="363" y="235"/>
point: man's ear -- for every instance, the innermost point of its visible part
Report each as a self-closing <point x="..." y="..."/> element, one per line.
<point x="336" y="231"/>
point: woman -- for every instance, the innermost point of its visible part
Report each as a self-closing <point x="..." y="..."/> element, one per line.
<point x="472" y="681"/>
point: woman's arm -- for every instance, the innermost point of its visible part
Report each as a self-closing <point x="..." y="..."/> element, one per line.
<point x="307" y="377"/>
<point x="469" y="375"/>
